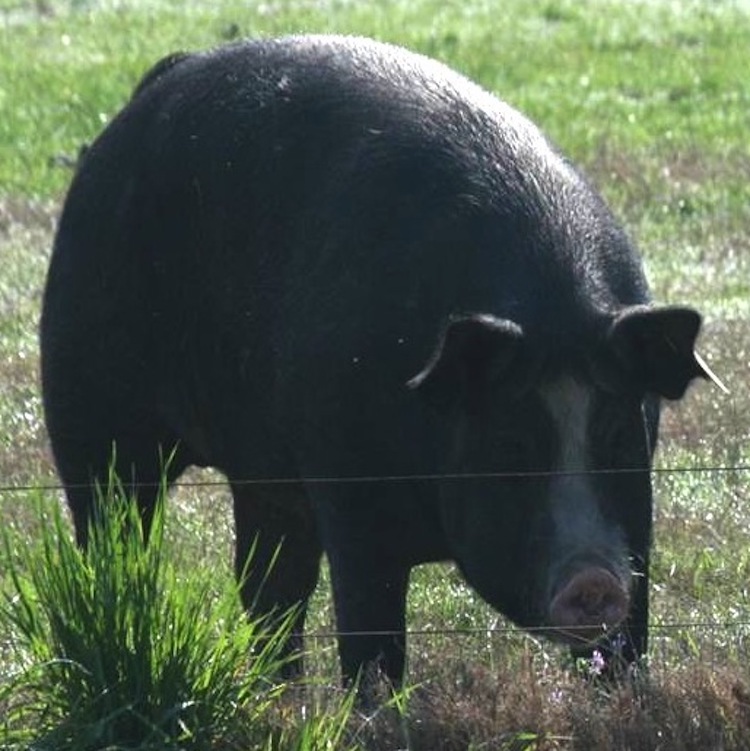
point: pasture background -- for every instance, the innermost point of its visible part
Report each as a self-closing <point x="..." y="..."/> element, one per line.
<point x="653" y="100"/>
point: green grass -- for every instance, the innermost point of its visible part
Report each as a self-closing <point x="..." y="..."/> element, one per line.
<point x="117" y="648"/>
<point x="652" y="98"/>
<point x="635" y="76"/>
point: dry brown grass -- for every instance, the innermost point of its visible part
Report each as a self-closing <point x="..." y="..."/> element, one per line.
<point x="524" y="706"/>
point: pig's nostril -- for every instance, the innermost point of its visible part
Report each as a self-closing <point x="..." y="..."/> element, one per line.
<point x="593" y="600"/>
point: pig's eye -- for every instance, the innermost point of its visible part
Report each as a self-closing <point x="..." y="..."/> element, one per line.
<point x="619" y="441"/>
<point x="518" y="438"/>
<point x="519" y="453"/>
<point x="515" y="453"/>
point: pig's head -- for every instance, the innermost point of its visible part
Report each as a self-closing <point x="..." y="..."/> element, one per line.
<point x="551" y="522"/>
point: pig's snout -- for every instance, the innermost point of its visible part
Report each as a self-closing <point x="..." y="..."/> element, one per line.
<point x="591" y="602"/>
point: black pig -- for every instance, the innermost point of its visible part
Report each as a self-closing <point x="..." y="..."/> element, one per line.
<point x="329" y="261"/>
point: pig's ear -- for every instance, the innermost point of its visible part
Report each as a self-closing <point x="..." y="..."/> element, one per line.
<point x="473" y="349"/>
<point x="657" y="347"/>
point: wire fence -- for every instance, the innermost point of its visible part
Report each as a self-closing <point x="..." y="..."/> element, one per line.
<point x="702" y="644"/>
<point x="738" y="631"/>
<point x="706" y="643"/>
<point x="385" y="479"/>
<point x="685" y="637"/>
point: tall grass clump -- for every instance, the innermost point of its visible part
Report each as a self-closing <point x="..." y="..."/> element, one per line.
<point x="115" y="648"/>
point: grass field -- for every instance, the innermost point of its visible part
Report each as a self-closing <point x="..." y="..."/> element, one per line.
<point x="653" y="99"/>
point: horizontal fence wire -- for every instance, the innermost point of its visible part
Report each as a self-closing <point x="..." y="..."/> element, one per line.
<point x="373" y="479"/>
<point x="509" y="630"/>
<point x="540" y="632"/>
<point x="697" y="642"/>
<point x="536" y="632"/>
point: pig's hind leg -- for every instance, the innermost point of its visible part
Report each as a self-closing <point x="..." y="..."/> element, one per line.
<point x="277" y="555"/>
